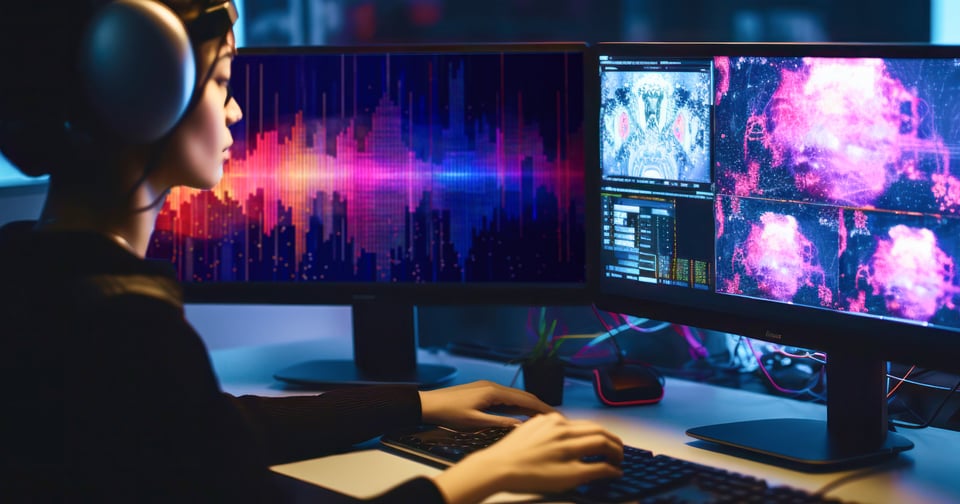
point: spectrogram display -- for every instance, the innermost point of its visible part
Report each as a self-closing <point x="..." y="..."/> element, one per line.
<point x="655" y="125"/>
<point x="837" y="183"/>
<point x="415" y="167"/>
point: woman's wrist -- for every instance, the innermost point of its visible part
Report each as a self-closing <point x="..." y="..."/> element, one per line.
<point x="423" y="409"/>
<point x="472" y="480"/>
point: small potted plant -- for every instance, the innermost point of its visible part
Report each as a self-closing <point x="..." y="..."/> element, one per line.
<point x="542" y="368"/>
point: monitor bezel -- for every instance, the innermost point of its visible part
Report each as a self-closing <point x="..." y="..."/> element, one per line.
<point x="347" y="293"/>
<point x="790" y="325"/>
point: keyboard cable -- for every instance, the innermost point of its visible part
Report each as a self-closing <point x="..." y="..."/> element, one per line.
<point x="863" y="473"/>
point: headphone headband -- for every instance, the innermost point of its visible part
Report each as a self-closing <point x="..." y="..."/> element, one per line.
<point x="213" y="21"/>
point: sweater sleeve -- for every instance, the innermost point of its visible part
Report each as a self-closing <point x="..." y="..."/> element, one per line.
<point x="295" y="428"/>
<point x="190" y="440"/>
<point x="420" y="490"/>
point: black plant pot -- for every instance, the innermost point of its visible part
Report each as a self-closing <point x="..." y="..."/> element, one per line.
<point x="544" y="379"/>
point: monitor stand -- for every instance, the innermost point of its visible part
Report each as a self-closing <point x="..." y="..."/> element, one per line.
<point x="384" y="349"/>
<point x="854" y="434"/>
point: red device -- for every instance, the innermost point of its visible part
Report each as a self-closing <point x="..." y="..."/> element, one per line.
<point x="625" y="384"/>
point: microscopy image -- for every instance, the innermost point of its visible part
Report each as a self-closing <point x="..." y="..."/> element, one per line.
<point x="900" y="266"/>
<point x="656" y="125"/>
<point x="781" y="251"/>
<point x="885" y="264"/>
<point x="837" y="185"/>
<point x="858" y="132"/>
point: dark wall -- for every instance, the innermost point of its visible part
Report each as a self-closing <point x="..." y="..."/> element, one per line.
<point x="283" y="22"/>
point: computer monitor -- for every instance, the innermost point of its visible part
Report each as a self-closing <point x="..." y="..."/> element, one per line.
<point x="807" y="195"/>
<point x="390" y="177"/>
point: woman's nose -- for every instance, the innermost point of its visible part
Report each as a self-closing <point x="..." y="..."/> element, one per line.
<point x="234" y="113"/>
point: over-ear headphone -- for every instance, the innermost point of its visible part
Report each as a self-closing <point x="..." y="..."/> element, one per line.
<point x="138" y="64"/>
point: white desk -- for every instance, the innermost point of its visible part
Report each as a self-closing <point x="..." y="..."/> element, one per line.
<point x="929" y="473"/>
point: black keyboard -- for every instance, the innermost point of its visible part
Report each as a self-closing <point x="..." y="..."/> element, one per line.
<point x="647" y="478"/>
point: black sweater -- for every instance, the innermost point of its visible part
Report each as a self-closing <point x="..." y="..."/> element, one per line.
<point x="109" y="394"/>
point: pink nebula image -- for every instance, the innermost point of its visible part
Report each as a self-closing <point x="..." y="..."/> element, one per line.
<point x="722" y="64"/>
<point x="779" y="256"/>
<point x="912" y="273"/>
<point x="847" y="129"/>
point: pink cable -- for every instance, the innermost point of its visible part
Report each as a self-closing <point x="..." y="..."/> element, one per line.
<point x="763" y="368"/>
<point x="696" y="349"/>
<point x="626" y="320"/>
<point x="606" y="326"/>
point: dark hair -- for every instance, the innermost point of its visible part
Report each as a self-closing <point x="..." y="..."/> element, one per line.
<point x="46" y="126"/>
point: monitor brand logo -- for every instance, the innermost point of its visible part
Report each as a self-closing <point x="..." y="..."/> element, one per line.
<point x="772" y="335"/>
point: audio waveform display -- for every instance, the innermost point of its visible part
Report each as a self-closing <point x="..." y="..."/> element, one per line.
<point x="405" y="167"/>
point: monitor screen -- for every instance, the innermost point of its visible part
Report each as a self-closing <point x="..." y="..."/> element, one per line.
<point x="423" y="174"/>
<point x="799" y="194"/>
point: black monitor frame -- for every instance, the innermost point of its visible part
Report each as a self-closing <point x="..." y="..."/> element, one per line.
<point x="858" y="347"/>
<point x="384" y="314"/>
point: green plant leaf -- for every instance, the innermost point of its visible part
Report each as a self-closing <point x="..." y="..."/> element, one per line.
<point x="546" y="346"/>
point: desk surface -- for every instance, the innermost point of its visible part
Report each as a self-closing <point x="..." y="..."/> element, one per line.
<point x="928" y="473"/>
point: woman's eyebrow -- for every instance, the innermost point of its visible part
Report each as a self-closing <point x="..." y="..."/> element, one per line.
<point x="227" y="56"/>
<point x="229" y="52"/>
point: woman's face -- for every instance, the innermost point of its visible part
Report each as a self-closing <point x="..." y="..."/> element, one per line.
<point x="201" y="143"/>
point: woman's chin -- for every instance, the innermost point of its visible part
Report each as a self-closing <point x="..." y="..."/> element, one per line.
<point x="211" y="181"/>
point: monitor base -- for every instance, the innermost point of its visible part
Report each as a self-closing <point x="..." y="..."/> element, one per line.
<point x="798" y="443"/>
<point x="323" y="374"/>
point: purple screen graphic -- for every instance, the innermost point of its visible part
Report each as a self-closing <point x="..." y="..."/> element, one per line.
<point x="837" y="184"/>
<point x="408" y="167"/>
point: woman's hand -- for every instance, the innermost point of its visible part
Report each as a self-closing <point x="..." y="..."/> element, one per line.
<point x="469" y="406"/>
<point x="542" y="455"/>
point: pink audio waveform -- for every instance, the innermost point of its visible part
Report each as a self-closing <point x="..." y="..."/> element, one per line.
<point x="381" y="179"/>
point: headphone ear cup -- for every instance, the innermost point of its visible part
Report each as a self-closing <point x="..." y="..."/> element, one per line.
<point x="138" y="68"/>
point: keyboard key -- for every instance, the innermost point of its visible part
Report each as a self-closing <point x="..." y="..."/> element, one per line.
<point x="451" y="453"/>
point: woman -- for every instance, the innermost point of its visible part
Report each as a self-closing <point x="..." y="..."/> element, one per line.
<point x="110" y="395"/>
